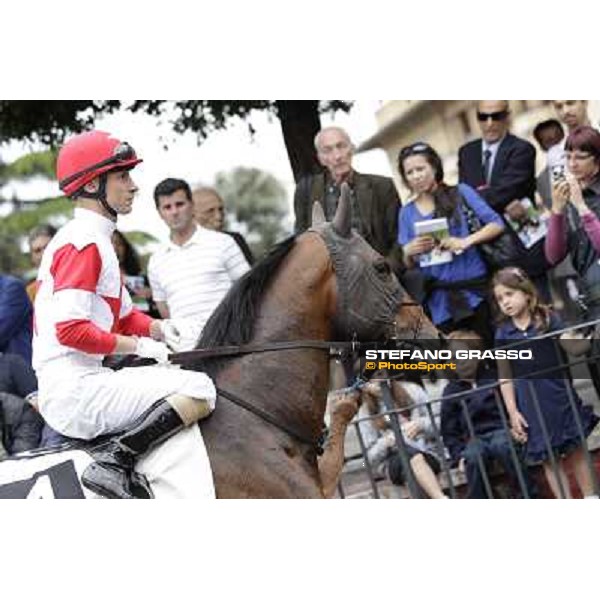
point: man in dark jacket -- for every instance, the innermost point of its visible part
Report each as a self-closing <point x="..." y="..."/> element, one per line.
<point x="375" y="201"/>
<point x="15" y="318"/>
<point x="499" y="165"/>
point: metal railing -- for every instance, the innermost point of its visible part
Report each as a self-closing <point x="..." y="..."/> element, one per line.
<point x="522" y="482"/>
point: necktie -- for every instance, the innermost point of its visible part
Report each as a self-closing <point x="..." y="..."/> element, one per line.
<point x="487" y="163"/>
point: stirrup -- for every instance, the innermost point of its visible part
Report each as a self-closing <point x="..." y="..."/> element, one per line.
<point x="116" y="482"/>
<point x="112" y="474"/>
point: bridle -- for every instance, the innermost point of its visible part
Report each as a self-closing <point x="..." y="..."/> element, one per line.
<point x="354" y="346"/>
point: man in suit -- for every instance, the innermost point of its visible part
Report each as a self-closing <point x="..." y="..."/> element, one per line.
<point x="499" y="165"/>
<point x="375" y="201"/>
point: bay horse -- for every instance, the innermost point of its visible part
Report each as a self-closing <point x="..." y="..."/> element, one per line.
<point x="324" y="284"/>
<point x="270" y="343"/>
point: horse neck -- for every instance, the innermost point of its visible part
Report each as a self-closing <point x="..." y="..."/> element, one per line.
<point x="297" y="306"/>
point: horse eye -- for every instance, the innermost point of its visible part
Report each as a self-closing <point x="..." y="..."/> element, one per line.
<point x="382" y="268"/>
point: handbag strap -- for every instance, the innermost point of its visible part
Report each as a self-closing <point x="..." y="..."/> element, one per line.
<point x="473" y="222"/>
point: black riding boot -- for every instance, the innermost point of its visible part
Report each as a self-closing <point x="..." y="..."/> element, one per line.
<point x="113" y="474"/>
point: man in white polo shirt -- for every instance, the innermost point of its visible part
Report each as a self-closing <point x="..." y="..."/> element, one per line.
<point x="193" y="272"/>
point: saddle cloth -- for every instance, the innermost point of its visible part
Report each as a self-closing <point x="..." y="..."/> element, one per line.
<point x="178" y="468"/>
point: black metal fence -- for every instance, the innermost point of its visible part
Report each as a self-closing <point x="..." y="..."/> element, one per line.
<point x="526" y="476"/>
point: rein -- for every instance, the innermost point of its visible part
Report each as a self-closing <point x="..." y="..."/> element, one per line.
<point x="191" y="356"/>
<point x="265" y="416"/>
<point x="180" y="358"/>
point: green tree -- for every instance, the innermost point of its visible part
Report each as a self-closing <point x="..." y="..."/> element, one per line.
<point x="50" y="121"/>
<point x="257" y="201"/>
<point x="19" y="216"/>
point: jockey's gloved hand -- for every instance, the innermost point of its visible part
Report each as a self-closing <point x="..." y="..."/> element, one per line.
<point x="171" y="334"/>
<point x="149" y="348"/>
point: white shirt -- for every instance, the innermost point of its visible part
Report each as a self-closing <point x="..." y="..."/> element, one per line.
<point x="193" y="278"/>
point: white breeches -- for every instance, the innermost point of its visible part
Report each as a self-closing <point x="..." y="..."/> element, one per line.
<point x="108" y="401"/>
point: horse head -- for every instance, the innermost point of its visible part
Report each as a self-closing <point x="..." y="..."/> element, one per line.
<point x="367" y="292"/>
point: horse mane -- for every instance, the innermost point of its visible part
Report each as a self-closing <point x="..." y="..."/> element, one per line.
<point x="232" y="323"/>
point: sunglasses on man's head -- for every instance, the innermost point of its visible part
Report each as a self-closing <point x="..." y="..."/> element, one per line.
<point x="499" y="115"/>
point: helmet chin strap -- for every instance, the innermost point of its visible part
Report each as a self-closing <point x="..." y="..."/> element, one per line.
<point x="100" y="195"/>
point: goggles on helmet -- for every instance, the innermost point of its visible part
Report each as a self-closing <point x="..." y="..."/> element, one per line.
<point x="123" y="152"/>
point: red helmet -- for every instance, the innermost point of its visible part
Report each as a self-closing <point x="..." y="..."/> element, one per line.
<point x="88" y="155"/>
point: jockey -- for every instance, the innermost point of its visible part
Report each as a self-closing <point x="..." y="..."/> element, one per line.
<point x="83" y="312"/>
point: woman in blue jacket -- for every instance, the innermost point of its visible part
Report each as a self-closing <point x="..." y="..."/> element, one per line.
<point x="455" y="289"/>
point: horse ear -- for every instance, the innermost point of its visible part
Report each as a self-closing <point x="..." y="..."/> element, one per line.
<point x="318" y="216"/>
<point x="342" y="221"/>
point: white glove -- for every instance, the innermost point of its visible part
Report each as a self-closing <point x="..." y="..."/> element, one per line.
<point x="189" y="332"/>
<point x="171" y="334"/>
<point x="149" y="348"/>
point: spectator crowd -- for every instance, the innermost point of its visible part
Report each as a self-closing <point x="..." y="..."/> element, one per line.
<point x="498" y="258"/>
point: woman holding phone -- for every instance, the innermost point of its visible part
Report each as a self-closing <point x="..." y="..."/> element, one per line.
<point x="574" y="226"/>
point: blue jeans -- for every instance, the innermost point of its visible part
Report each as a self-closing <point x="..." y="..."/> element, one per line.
<point x="490" y="446"/>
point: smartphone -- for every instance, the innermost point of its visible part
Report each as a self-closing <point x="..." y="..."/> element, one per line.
<point x="558" y="173"/>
